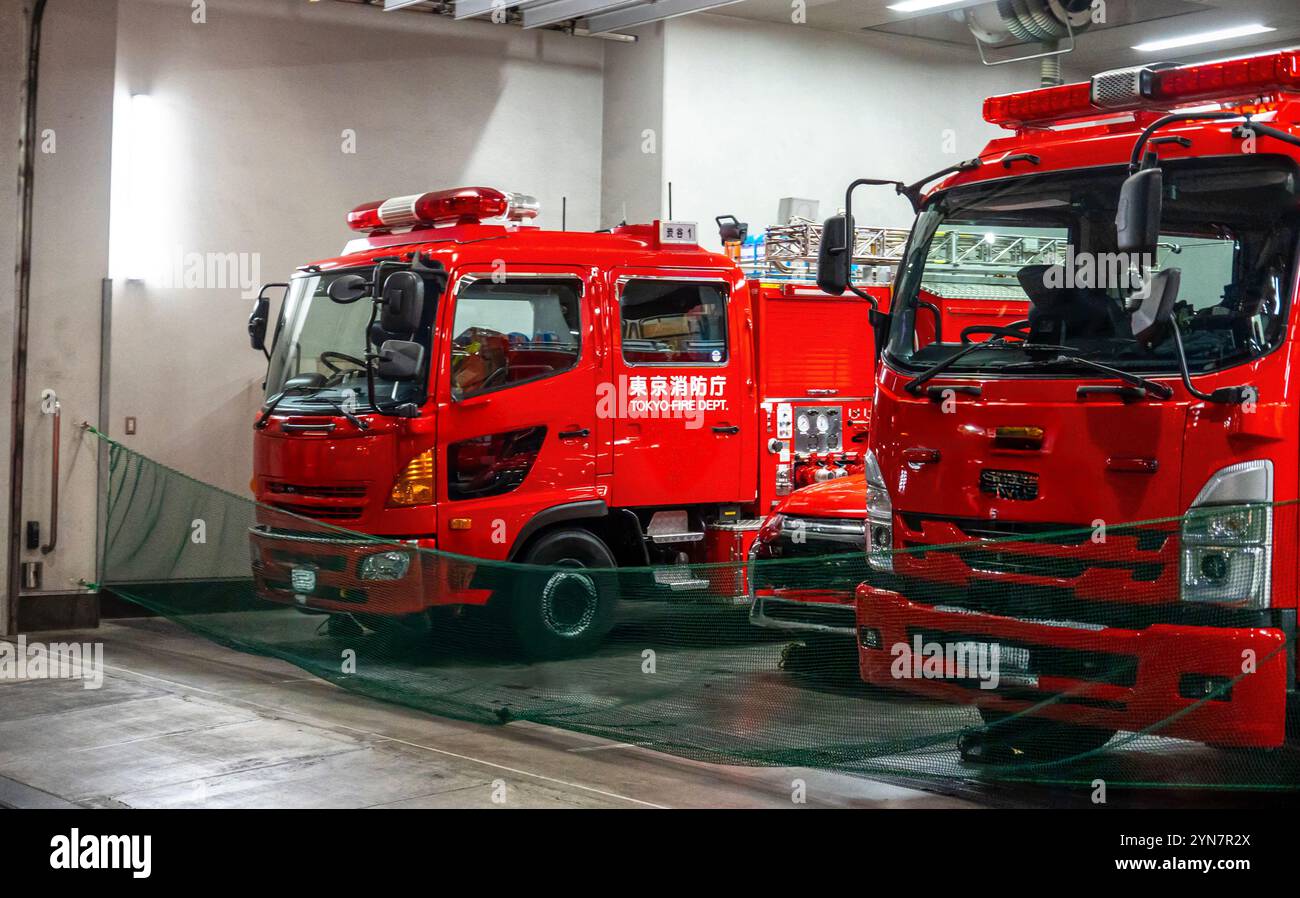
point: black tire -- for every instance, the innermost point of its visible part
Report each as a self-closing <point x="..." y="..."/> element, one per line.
<point x="567" y="610"/>
<point x="1041" y="739"/>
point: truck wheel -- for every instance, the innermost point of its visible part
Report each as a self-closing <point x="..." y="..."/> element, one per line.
<point x="566" y="610"/>
<point x="1041" y="739"/>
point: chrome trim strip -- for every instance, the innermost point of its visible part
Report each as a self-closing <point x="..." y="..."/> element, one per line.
<point x="758" y="618"/>
<point x="264" y="532"/>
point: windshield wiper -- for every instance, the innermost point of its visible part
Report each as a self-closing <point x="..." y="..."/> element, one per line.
<point x="1159" y="390"/>
<point x="356" y="422"/>
<point x="914" y="385"/>
<point x="275" y="401"/>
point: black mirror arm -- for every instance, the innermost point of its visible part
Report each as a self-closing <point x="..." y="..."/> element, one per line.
<point x="1223" y="395"/>
<point x="863" y="294"/>
<point x="1135" y="160"/>
<point x="1242" y="131"/>
<point x="850" y="235"/>
<point x="938" y="318"/>
<point x="913" y="191"/>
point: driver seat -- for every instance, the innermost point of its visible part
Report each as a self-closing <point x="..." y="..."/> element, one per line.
<point x="1055" y="312"/>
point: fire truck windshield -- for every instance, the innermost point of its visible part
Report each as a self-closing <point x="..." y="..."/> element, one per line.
<point x="323" y="343"/>
<point x="1031" y="264"/>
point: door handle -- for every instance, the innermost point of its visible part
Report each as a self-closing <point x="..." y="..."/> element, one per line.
<point x="917" y="456"/>
<point x="324" y="427"/>
<point x="579" y="434"/>
<point x="726" y="429"/>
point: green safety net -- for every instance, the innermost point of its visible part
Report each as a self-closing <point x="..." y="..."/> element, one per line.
<point x="1100" y="664"/>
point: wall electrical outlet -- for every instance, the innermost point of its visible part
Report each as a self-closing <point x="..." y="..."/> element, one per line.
<point x="129" y="428"/>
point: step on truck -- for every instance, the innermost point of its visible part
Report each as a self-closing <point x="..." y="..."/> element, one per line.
<point x="1100" y="494"/>
<point x="460" y="380"/>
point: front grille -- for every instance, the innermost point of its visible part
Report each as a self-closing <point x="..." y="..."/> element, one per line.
<point x="1039" y="602"/>
<point x="316" y="491"/>
<point x="345" y="594"/>
<point x="321" y="512"/>
<point x="1004" y="547"/>
<point x="335" y="562"/>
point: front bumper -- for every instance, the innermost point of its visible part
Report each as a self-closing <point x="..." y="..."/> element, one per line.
<point x="811" y="611"/>
<point x="322" y="571"/>
<point x="808" y="586"/>
<point x="1152" y="679"/>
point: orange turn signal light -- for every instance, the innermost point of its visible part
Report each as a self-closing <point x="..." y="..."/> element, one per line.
<point x="414" y="486"/>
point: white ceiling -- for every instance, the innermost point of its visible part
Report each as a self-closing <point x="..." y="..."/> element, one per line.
<point x="1101" y="47"/>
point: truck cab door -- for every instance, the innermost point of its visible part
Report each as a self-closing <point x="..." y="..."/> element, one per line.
<point x="682" y="362"/>
<point x="516" y="410"/>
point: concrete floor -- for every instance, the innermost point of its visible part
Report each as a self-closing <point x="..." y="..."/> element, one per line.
<point x="183" y="722"/>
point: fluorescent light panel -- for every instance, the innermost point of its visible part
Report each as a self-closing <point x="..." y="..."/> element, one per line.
<point x="563" y="10"/>
<point x="919" y="5"/>
<point x="656" y="11"/>
<point x="1204" y="37"/>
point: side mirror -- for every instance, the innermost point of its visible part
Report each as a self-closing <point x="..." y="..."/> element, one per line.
<point x="257" y="323"/>
<point x="348" y="288"/>
<point x="1137" y="220"/>
<point x="400" y="360"/>
<point x="261" y="316"/>
<point x="835" y="255"/>
<point x="1156" y="309"/>
<point x="402" y="303"/>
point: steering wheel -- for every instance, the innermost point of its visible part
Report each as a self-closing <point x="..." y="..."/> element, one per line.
<point x="1014" y="329"/>
<point x="495" y="378"/>
<point x="325" y="359"/>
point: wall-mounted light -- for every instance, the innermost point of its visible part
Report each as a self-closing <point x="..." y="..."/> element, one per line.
<point x="139" y="238"/>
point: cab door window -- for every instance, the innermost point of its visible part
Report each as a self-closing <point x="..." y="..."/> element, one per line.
<point x="513" y="332"/>
<point x="674" y="322"/>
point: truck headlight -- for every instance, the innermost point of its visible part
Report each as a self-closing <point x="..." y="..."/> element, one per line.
<point x="880" y="518"/>
<point x="1227" y="538"/>
<point x="385" y="566"/>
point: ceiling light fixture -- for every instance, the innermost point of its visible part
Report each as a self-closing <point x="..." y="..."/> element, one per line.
<point x="1204" y="37"/>
<point x="919" y="5"/>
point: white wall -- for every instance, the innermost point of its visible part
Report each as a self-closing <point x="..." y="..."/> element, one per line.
<point x="632" y="164"/>
<point x="251" y="107"/>
<point x="756" y="111"/>
<point x="69" y="261"/>
<point x="12" y="43"/>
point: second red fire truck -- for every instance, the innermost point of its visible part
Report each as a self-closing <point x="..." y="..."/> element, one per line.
<point x="1095" y="484"/>
<point x="462" y="381"/>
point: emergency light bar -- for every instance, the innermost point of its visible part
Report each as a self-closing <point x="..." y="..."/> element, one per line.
<point x="461" y="205"/>
<point x="1148" y="86"/>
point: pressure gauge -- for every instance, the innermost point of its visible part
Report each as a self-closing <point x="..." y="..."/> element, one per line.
<point x="823" y="424"/>
<point x="803" y="423"/>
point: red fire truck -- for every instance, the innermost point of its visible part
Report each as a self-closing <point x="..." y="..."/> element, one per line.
<point x="1006" y="456"/>
<point x="816" y="530"/>
<point x="461" y="380"/>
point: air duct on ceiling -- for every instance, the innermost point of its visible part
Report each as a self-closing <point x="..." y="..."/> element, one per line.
<point x="1053" y="24"/>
